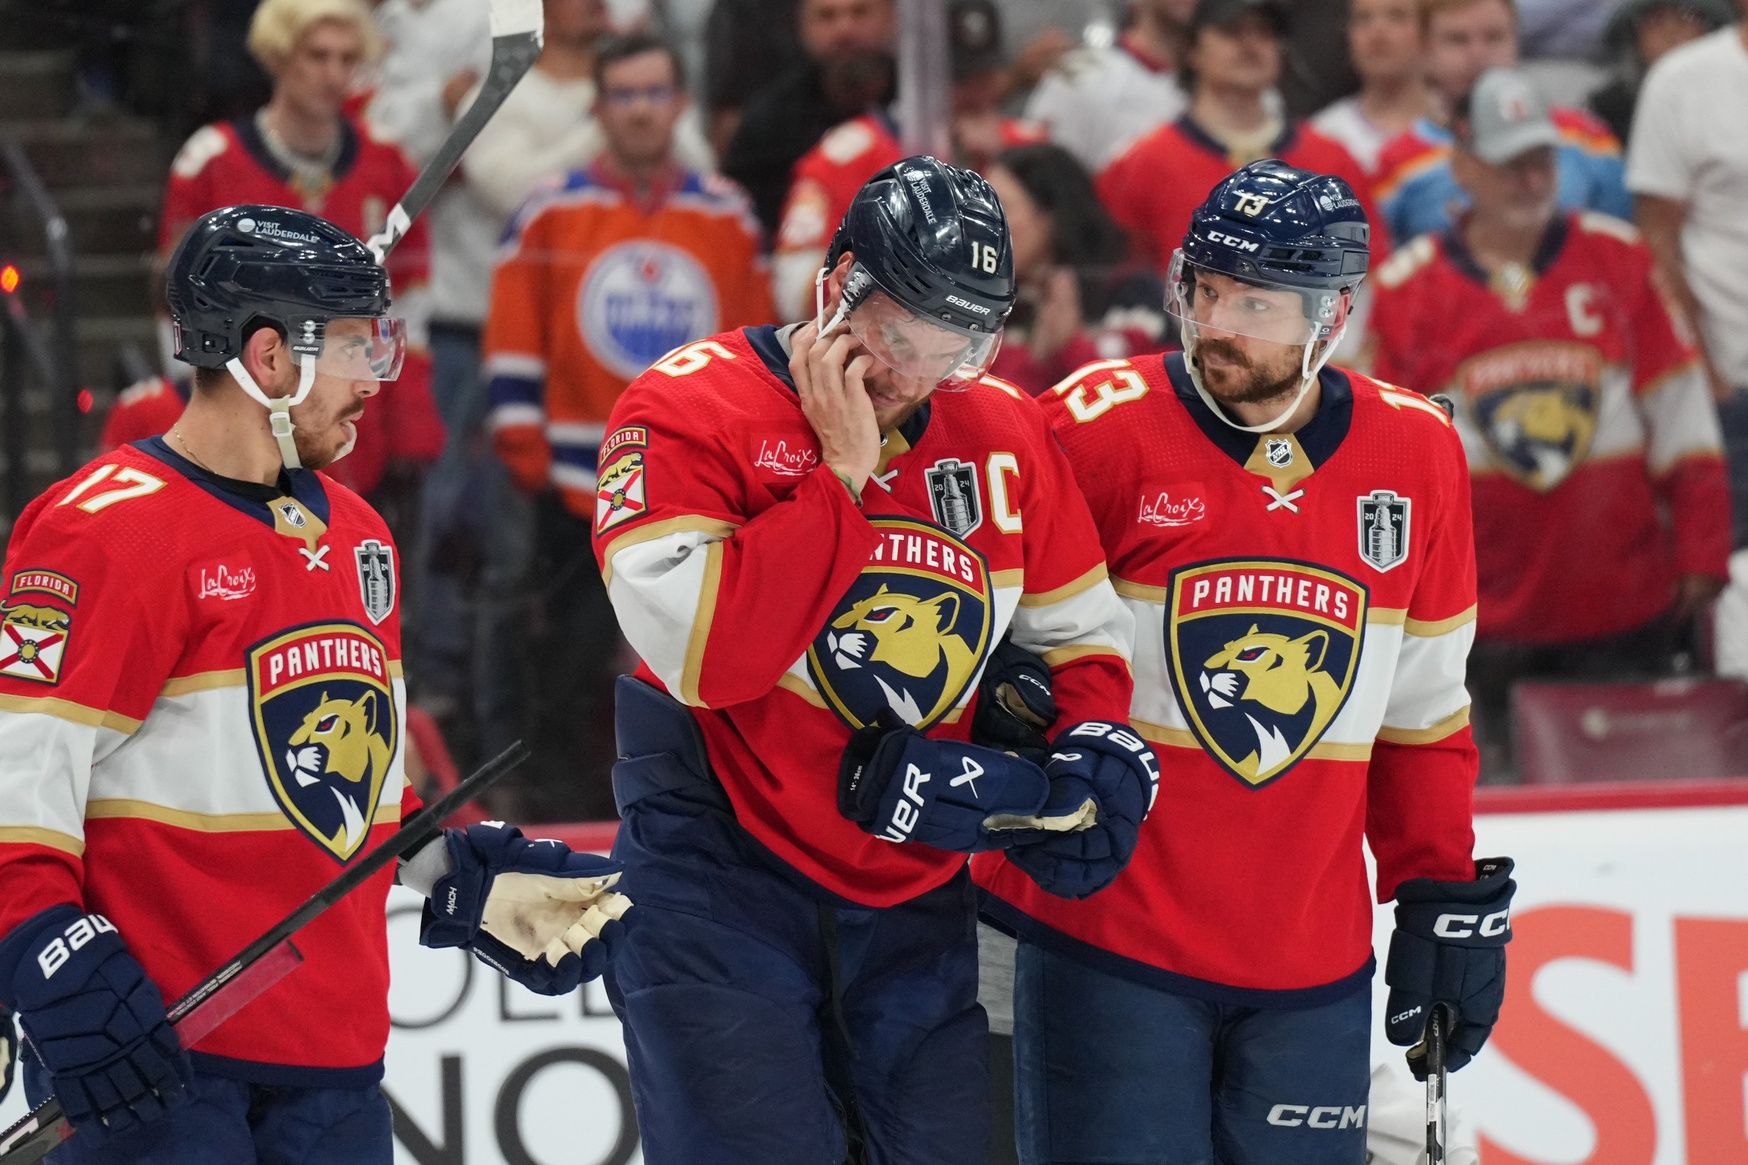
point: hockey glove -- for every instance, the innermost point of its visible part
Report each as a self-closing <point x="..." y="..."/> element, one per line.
<point x="536" y="911"/>
<point x="899" y="785"/>
<point x="94" y="1020"/>
<point x="1449" y="951"/>
<point x="1107" y="776"/>
<point x="8" y="1053"/>
<point x="1015" y="706"/>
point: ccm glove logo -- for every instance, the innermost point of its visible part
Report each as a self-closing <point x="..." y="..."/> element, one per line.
<point x="1330" y="1116"/>
<point x="1472" y="925"/>
<point x="55" y="955"/>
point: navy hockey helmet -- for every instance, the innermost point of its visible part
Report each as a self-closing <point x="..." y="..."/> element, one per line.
<point x="934" y="239"/>
<point x="243" y="265"/>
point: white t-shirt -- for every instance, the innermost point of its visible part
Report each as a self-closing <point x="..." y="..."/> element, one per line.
<point x="1098" y="100"/>
<point x="1690" y="144"/>
<point x="1345" y="122"/>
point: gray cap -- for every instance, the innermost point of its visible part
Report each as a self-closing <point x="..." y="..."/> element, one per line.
<point x="1507" y="117"/>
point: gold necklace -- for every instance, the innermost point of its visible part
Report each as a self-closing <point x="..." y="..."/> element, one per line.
<point x="176" y="432"/>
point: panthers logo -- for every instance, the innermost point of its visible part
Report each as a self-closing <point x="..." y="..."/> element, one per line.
<point x="911" y="632"/>
<point x="1263" y="656"/>
<point x="326" y="727"/>
<point x="1540" y="431"/>
<point x="33" y="639"/>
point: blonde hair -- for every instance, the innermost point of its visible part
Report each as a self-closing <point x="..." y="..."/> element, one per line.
<point x="278" y="25"/>
<point x="1432" y="8"/>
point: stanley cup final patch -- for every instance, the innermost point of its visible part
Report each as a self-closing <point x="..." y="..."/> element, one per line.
<point x="35" y="623"/>
<point x="1383" y="519"/>
<point x="376" y="578"/>
<point x="953" y="496"/>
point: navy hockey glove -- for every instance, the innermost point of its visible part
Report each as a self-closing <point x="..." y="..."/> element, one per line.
<point x="94" y="1020"/>
<point x="1449" y="951"/>
<point x="1015" y="706"/>
<point x="8" y="1053"/>
<point x="540" y="913"/>
<point x="1105" y="777"/>
<point x="899" y="785"/>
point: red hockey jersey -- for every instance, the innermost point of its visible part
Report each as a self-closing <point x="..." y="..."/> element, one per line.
<point x="1303" y="606"/>
<point x="1591" y="436"/>
<point x="594" y="284"/>
<point x="759" y="594"/>
<point x="1154" y="186"/>
<point x="145" y="409"/>
<point x="201" y="706"/>
<point x="227" y="163"/>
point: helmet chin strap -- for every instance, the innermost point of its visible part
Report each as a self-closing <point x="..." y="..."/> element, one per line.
<point x="1309" y="368"/>
<point x="279" y="407"/>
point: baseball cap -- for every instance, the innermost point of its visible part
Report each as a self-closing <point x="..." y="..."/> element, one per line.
<point x="973" y="37"/>
<point x="1225" y="13"/>
<point x="1507" y="117"/>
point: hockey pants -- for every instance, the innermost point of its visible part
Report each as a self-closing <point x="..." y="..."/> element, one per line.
<point x="766" y="1021"/>
<point x="228" y="1122"/>
<point x="1113" y="1072"/>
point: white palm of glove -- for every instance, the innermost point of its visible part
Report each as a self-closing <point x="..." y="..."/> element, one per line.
<point x="545" y="917"/>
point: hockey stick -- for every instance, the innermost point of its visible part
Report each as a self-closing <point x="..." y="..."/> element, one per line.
<point x="1436" y="1138"/>
<point x="516" y="39"/>
<point x="269" y="958"/>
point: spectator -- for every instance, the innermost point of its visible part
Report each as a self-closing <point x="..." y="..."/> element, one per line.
<point x="1079" y="300"/>
<point x="1640" y="33"/>
<point x="602" y="273"/>
<point x="301" y="151"/>
<point x="848" y="71"/>
<point x="144" y="409"/>
<point x="1100" y="98"/>
<point x="1232" y="66"/>
<point x="746" y="43"/>
<point x="1463" y="39"/>
<point x="1689" y="169"/>
<point x="827" y="177"/>
<point x="547" y="125"/>
<point x="1384" y="42"/>
<point x="1601" y="525"/>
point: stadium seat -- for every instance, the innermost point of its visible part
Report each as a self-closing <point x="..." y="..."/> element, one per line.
<point x="1688" y="728"/>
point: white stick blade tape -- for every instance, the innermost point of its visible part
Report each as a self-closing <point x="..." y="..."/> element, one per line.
<point x="512" y="17"/>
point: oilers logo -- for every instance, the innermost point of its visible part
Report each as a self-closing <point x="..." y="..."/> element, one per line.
<point x="639" y="301"/>
<point x="912" y="631"/>
<point x="326" y="727"/>
<point x="1263" y="655"/>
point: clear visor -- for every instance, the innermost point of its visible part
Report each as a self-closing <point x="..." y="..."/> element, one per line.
<point x="917" y="348"/>
<point x="363" y="348"/>
<point x="1212" y="305"/>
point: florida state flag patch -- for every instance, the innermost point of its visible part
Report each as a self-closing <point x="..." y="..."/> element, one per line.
<point x="35" y="624"/>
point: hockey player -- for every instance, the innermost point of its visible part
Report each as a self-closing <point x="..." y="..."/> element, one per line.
<point x="200" y="718"/>
<point x="813" y="536"/>
<point x="1294" y="543"/>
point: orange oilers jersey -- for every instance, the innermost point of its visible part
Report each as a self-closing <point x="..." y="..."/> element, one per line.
<point x="759" y="594"/>
<point x="1153" y="187"/>
<point x="594" y="284"/>
<point x="228" y="163"/>
<point x="1590" y="430"/>
<point x="201" y="704"/>
<point x="1304" y="605"/>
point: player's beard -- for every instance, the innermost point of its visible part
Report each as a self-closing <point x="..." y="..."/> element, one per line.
<point x="1238" y="380"/>
<point x="320" y="445"/>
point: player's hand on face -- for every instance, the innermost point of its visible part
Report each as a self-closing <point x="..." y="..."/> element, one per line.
<point x="829" y="375"/>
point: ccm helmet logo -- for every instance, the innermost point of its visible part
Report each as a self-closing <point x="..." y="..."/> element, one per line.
<point x="1234" y="241"/>
<point x="1324" y="1116"/>
<point x="1472" y="925"/>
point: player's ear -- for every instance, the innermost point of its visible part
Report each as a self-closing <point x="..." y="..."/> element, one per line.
<point x="269" y="361"/>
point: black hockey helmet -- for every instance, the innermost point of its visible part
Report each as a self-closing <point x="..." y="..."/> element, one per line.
<point x="934" y="239"/>
<point x="1276" y="224"/>
<point x="243" y="265"/>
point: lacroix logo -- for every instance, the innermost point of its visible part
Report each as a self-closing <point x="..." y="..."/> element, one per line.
<point x="1162" y="509"/>
<point x="785" y="459"/>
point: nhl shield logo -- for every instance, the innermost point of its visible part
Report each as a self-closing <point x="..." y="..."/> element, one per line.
<point x="953" y="495"/>
<point x="1263" y="655"/>
<point x="326" y="728"/>
<point x="1383" y="529"/>
<point x="910" y="633"/>
<point x="376" y="578"/>
<point x="1279" y="452"/>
